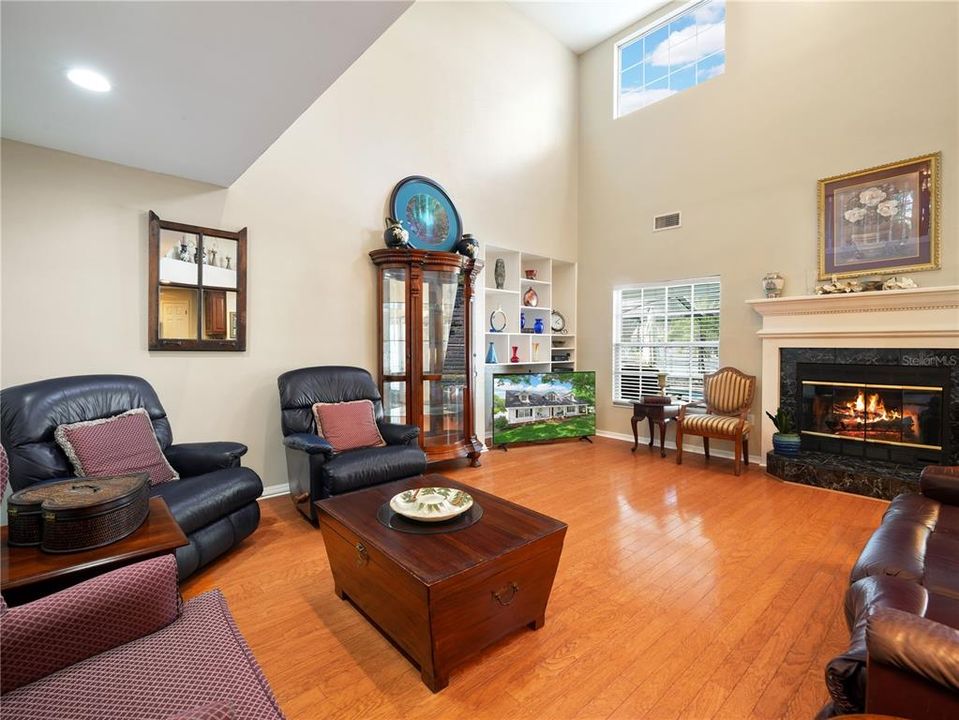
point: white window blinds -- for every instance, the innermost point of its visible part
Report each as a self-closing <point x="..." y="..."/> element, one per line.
<point x="670" y="328"/>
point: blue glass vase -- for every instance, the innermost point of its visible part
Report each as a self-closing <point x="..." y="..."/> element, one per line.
<point x="538" y="325"/>
<point x="491" y="358"/>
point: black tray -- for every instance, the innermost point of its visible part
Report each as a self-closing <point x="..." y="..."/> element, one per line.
<point x="394" y="521"/>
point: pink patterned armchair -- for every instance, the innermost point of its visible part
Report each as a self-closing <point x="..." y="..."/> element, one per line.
<point x="123" y="646"/>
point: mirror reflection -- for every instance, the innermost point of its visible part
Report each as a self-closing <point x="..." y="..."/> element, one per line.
<point x="177" y="313"/>
<point x="219" y="315"/>
<point x="178" y="252"/>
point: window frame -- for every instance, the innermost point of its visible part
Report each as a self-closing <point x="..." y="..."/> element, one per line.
<point x="617" y="328"/>
<point x="646" y="29"/>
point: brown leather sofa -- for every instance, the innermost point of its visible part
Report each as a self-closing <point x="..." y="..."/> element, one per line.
<point x="902" y="608"/>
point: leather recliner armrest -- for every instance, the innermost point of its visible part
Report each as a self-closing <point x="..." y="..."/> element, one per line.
<point x="397" y="434"/>
<point x="940" y="483"/>
<point x="190" y="459"/>
<point x="309" y="443"/>
<point x="914" y="644"/>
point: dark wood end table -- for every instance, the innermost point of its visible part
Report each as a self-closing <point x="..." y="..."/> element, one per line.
<point x="28" y="573"/>
<point x="658" y="415"/>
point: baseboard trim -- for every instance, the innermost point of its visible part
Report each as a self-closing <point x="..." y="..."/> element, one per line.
<point x="270" y="491"/>
<point x="697" y="449"/>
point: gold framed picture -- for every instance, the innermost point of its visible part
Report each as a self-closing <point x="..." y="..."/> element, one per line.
<point x="880" y="220"/>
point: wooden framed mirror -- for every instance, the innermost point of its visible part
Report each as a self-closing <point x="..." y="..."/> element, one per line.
<point x="197" y="287"/>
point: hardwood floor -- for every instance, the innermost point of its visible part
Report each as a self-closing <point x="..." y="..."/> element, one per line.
<point x="683" y="591"/>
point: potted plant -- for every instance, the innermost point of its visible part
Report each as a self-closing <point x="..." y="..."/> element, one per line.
<point x="786" y="440"/>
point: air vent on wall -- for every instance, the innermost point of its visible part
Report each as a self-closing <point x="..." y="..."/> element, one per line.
<point x="666" y="222"/>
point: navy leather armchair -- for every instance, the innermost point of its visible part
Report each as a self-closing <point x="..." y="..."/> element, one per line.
<point x="315" y="471"/>
<point x="214" y="501"/>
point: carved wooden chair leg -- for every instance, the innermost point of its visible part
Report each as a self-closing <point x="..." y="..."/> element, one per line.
<point x="746" y="450"/>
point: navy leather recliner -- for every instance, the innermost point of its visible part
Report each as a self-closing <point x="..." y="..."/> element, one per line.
<point x="315" y="470"/>
<point x="214" y="501"/>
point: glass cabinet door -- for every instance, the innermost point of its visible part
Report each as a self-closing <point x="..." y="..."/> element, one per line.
<point x="444" y="357"/>
<point x="394" y="281"/>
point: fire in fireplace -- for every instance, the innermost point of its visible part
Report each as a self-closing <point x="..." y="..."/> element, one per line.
<point x="879" y="412"/>
<point x="895" y="414"/>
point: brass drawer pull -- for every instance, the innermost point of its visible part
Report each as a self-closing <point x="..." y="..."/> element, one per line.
<point x="505" y="596"/>
<point x="362" y="557"/>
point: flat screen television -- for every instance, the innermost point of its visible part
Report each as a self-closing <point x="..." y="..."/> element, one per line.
<point x="529" y="407"/>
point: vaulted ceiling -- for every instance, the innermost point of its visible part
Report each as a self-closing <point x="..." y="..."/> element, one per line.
<point x="199" y="89"/>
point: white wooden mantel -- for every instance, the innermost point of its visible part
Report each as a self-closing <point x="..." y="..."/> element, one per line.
<point x="915" y="318"/>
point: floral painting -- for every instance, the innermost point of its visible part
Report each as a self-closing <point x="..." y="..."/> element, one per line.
<point x="880" y="220"/>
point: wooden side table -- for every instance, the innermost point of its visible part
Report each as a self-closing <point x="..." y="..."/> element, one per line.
<point x="28" y="573"/>
<point x="657" y="415"/>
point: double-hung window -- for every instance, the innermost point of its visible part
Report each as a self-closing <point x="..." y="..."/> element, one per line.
<point x="670" y="328"/>
<point x="675" y="53"/>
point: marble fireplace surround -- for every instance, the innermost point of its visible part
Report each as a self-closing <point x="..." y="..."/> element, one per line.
<point x="854" y="328"/>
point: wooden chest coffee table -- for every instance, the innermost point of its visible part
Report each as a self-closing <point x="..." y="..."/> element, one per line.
<point x="442" y="598"/>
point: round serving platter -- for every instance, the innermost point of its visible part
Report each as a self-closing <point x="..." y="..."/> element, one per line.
<point x="394" y="521"/>
<point x="431" y="504"/>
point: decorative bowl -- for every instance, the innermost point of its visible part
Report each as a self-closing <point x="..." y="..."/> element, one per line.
<point x="431" y="504"/>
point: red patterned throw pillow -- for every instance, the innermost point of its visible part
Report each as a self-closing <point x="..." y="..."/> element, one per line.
<point x="348" y="425"/>
<point x="117" y="445"/>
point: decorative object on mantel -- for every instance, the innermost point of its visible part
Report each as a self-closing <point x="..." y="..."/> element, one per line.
<point x="530" y="274"/>
<point x="530" y="298"/>
<point x="515" y="356"/>
<point x="468" y="246"/>
<point x="499" y="273"/>
<point x="497" y="320"/>
<point x="491" y="358"/>
<point x="836" y="286"/>
<point x="773" y="284"/>
<point x="557" y="322"/>
<point x="899" y="282"/>
<point x="395" y="236"/>
<point x="881" y="218"/>
<point x="661" y="379"/>
<point x="538" y="326"/>
<point x="535" y="351"/>
<point x="522" y="322"/>
<point x="424" y="210"/>
<point x="785" y="440"/>
<point x="871" y="284"/>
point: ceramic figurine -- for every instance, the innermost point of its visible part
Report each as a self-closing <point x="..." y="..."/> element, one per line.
<point x="899" y="282"/>
<point x="395" y="235"/>
<point x="773" y="284"/>
<point x="468" y="246"/>
<point x="499" y="273"/>
<point x="185" y="254"/>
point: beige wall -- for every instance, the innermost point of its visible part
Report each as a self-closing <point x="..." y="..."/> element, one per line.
<point x="473" y="95"/>
<point x="810" y="90"/>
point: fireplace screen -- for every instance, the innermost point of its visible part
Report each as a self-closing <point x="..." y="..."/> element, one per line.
<point x="890" y="414"/>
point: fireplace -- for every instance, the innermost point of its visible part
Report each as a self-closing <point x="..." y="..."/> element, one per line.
<point x="874" y="411"/>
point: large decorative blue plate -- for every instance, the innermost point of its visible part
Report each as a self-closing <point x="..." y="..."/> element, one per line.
<point x="425" y="210"/>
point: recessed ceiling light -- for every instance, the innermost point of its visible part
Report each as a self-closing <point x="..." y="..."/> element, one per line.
<point x="89" y="80"/>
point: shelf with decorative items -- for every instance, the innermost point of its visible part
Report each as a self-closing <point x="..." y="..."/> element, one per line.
<point x="523" y="293"/>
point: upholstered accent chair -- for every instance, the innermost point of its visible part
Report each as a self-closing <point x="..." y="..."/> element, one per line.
<point x="214" y="500"/>
<point x="315" y="470"/>
<point x="124" y="646"/>
<point x="728" y="396"/>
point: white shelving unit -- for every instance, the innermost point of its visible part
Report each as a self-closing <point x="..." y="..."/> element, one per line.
<point x="555" y="285"/>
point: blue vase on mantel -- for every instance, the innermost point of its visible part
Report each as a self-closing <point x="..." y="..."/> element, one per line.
<point x="491" y="358"/>
<point x="786" y="444"/>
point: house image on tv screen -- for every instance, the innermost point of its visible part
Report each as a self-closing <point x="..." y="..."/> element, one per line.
<point x="526" y="406"/>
